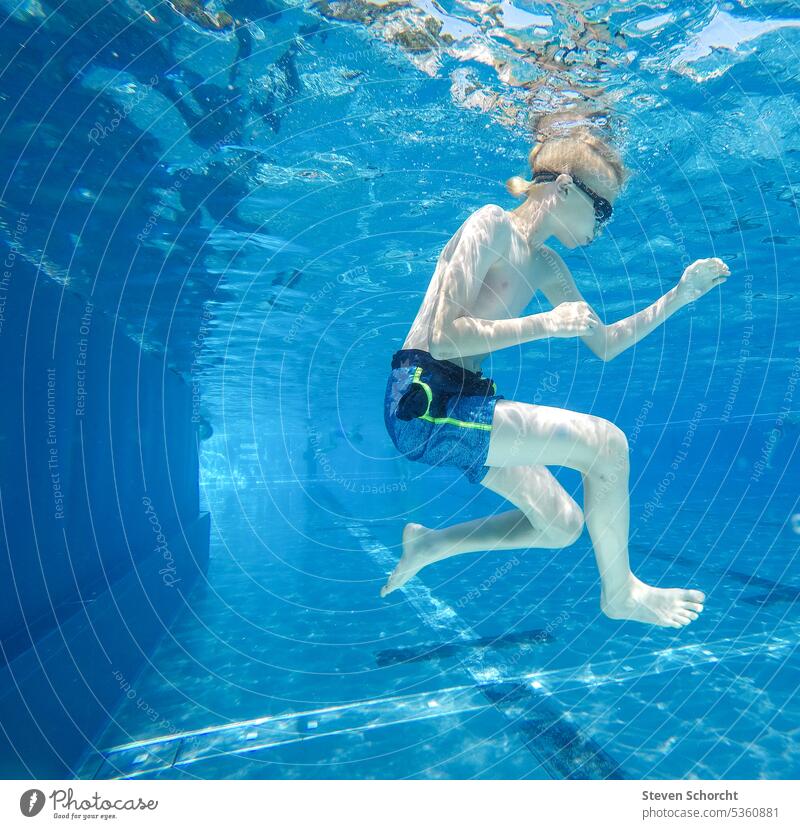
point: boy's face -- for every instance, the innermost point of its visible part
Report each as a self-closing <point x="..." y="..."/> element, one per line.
<point x="574" y="220"/>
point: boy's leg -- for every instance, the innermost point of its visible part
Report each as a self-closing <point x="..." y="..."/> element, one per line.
<point x="547" y="517"/>
<point x="528" y="434"/>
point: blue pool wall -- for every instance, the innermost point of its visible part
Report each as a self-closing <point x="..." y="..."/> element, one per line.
<point x="102" y="535"/>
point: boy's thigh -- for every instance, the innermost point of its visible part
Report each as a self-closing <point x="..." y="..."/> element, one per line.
<point x="535" y="491"/>
<point x="524" y="434"/>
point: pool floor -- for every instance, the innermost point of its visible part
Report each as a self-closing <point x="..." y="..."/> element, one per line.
<point x="285" y="664"/>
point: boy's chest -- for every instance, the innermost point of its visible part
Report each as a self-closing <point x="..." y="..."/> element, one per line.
<point x="507" y="289"/>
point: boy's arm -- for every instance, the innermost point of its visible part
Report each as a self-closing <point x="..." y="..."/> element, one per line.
<point x="482" y="240"/>
<point x="606" y="341"/>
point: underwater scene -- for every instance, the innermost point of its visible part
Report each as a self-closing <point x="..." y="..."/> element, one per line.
<point x="231" y="546"/>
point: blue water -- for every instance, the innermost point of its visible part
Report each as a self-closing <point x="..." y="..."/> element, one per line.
<point x="261" y="206"/>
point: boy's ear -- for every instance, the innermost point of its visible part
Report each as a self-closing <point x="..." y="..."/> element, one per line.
<point x="563" y="182"/>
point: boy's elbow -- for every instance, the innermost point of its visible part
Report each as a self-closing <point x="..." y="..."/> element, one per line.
<point x="604" y="353"/>
<point x="607" y="354"/>
<point x="600" y="349"/>
<point x="603" y="346"/>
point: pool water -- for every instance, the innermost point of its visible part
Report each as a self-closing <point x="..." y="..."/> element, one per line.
<point x="258" y="192"/>
<point x="288" y="666"/>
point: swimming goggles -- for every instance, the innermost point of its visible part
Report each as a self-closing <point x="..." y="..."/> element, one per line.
<point x="602" y="207"/>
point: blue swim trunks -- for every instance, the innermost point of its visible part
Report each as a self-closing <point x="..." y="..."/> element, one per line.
<point x="439" y="413"/>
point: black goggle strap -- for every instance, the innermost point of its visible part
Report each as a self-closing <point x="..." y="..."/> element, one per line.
<point x="602" y="207"/>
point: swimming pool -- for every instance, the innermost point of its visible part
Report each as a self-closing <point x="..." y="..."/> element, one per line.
<point x="257" y="195"/>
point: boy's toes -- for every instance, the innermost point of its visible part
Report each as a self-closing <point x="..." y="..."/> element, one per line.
<point x="390" y="586"/>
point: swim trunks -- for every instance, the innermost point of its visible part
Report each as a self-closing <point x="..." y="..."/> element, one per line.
<point x="439" y="413"/>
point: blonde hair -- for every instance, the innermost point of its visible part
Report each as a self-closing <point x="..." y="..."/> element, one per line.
<point x="574" y="151"/>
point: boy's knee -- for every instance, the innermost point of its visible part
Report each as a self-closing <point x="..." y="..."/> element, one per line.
<point x="613" y="459"/>
<point x="615" y="442"/>
<point x="572" y="529"/>
<point x="618" y="440"/>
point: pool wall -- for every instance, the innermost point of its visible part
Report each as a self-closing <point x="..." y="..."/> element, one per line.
<point x="102" y="535"/>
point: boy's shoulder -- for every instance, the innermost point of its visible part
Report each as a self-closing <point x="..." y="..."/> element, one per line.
<point x="493" y="218"/>
<point x="491" y="212"/>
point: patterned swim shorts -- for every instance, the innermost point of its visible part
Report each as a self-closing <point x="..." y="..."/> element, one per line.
<point x="439" y="413"/>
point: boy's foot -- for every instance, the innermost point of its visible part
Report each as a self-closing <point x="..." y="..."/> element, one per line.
<point x="416" y="554"/>
<point x="671" y="607"/>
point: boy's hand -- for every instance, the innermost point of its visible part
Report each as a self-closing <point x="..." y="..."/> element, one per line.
<point x="700" y="277"/>
<point x="572" y="319"/>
